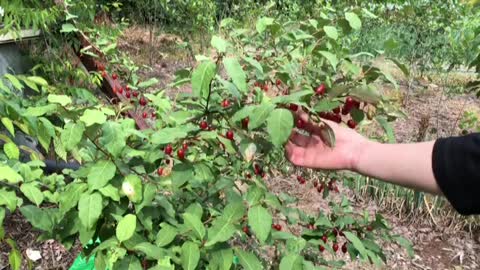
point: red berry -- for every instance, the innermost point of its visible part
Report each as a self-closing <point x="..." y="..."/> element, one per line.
<point x="342" y="234"/>
<point x="127" y="88"/>
<point x="349" y="101"/>
<point x="300" y="124"/>
<point x="324" y="238"/>
<point x="315" y="184"/>
<point x="265" y="88"/>
<point x="369" y="228"/>
<point x="256" y="84"/>
<point x="249" y="175"/>
<point x="245" y="229"/>
<point x="144" y="115"/>
<point x="345" y="110"/>
<point x="100" y="66"/>
<point x="225" y="103"/>
<point x="104" y="74"/>
<point x="277" y="227"/>
<point x="337" y="118"/>
<point x="245" y="122"/>
<point x="336" y="110"/>
<point x="135" y="93"/>
<point x="114" y="76"/>
<point x="278" y="82"/>
<point x="120" y="90"/>
<point x="321" y="90"/>
<point x="154" y="115"/>
<point x="320" y="188"/>
<point x="181" y="154"/>
<point x="344" y="248"/>
<point x="185" y="146"/>
<point x="321" y="248"/>
<point x="293" y="107"/>
<point x="335" y="247"/>
<point x="204" y="125"/>
<point x="168" y="149"/>
<point x="258" y="170"/>
<point x="143" y="101"/>
<point x="229" y="135"/>
<point x="160" y="171"/>
<point x="127" y="94"/>
<point x="351" y="124"/>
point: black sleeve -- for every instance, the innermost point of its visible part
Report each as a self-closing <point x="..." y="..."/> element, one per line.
<point x="456" y="166"/>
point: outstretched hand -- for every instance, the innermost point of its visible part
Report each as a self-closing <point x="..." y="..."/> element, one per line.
<point x="312" y="151"/>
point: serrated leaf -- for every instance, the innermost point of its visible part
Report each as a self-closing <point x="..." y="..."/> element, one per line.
<point x="219" y="43"/>
<point x="331" y="32"/>
<point x="132" y="188"/>
<point x="110" y="192"/>
<point x="126" y="227"/>
<point x="236" y="73"/>
<point x="254" y="63"/>
<point x="326" y="105"/>
<point x="291" y="262"/>
<point x="248" y="260"/>
<point x="32" y="193"/>
<point x="260" y="220"/>
<point x="151" y="251"/>
<point x="8" y="125"/>
<point x="357" y="115"/>
<point x="148" y="83"/>
<point x="69" y="198"/>
<point x="357" y="244"/>
<point x="9" y="199"/>
<point x="353" y="20"/>
<point x="113" y="137"/>
<point x="71" y="135"/>
<point x="220" y="231"/>
<point x="100" y="174"/>
<point x="222" y="259"/>
<point x="41" y="110"/>
<point x="169" y="135"/>
<point x="259" y="115"/>
<point x="279" y="126"/>
<point x="263" y="23"/>
<point x="233" y="212"/>
<point x="14" y="81"/>
<point x="166" y="235"/>
<point x="68" y="27"/>
<point x="39" y="218"/>
<point x="11" y="150"/>
<point x="387" y="127"/>
<point x="91" y="117"/>
<point x="368" y="93"/>
<point x="332" y="58"/>
<point x="190" y="256"/>
<point x="194" y="223"/>
<point x="7" y="173"/>
<point x="38" y="80"/>
<point x="59" y="99"/>
<point x="89" y="209"/>
<point x="201" y="78"/>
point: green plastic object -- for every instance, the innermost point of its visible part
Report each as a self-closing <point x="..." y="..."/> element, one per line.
<point x="81" y="263"/>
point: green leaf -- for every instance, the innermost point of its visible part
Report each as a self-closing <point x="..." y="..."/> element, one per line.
<point x="190" y="256"/>
<point x="220" y="231"/>
<point x="194" y="223"/>
<point x="11" y="150"/>
<point x="110" y="192"/>
<point x="71" y="135"/>
<point x="357" y="244"/>
<point x="169" y="135"/>
<point x="38" y="80"/>
<point x="235" y="71"/>
<point x="219" y="43"/>
<point x="126" y="227"/>
<point x="59" y="99"/>
<point x="254" y="63"/>
<point x="201" y="78"/>
<point x="91" y="117"/>
<point x="42" y="110"/>
<point x="70" y="197"/>
<point x="151" y="251"/>
<point x="260" y="220"/>
<point x="113" y="137"/>
<point x="332" y="58"/>
<point x="149" y="83"/>
<point x="401" y="66"/>
<point x="15" y="82"/>
<point x="67" y="28"/>
<point x="279" y="126"/>
<point x="32" y="193"/>
<point x="382" y="120"/>
<point x="132" y="188"/>
<point x="166" y="235"/>
<point x="248" y="260"/>
<point x="89" y="209"/>
<point x="263" y="23"/>
<point x="291" y="262"/>
<point x="15" y="259"/>
<point x="326" y="105"/>
<point x="353" y="20"/>
<point x="259" y="115"/>
<point x="100" y="174"/>
<point x="8" y="125"/>
<point x="7" y="173"/>
<point x="367" y="93"/>
<point x="128" y="263"/>
<point x="39" y="218"/>
<point x="9" y="199"/>
<point x="233" y="212"/>
<point x="331" y="32"/>
<point x="357" y="115"/>
<point x="222" y="259"/>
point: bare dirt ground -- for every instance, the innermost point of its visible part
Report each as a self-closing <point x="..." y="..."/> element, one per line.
<point x="431" y="114"/>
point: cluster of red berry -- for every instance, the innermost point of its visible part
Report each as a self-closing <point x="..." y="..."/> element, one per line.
<point x="335" y="245"/>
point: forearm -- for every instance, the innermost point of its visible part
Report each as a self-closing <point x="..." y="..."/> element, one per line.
<point x="408" y="165"/>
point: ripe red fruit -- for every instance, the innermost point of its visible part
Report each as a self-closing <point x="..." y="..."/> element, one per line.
<point x="168" y="149"/>
<point x="245" y="122"/>
<point x="120" y="90"/>
<point x="335" y="247"/>
<point x="321" y="248"/>
<point x="256" y="84"/>
<point x="315" y="184"/>
<point x="127" y="88"/>
<point x="181" y="154"/>
<point x="135" y="93"/>
<point x="265" y="88"/>
<point x="320" y="91"/>
<point x="324" y="238"/>
<point x="114" y="76"/>
<point x="204" y="125"/>
<point x="320" y="188"/>
<point x="369" y="228"/>
<point x="104" y="74"/>
<point x="337" y="118"/>
<point x="100" y="66"/>
<point x="144" y="115"/>
<point x="351" y="124"/>
<point x="336" y="110"/>
<point x="300" y="124"/>
<point x="345" y="110"/>
<point x="277" y="227"/>
<point x="278" y="82"/>
<point x="160" y="171"/>
<point x="349" y="101"/>
<point x="335" y="232"/>
<point x="245" y="229"/>
<point x="128" y="94"/>
<point x="154" y="115"/>
<point x="229" y="135"/>
<point x="225" y="103"/>
<point x="143" y="101"/>
<point x="344" y="248"/>
<point x="185" y="146"/>
<point x="258" y="170"/>
<point x="293" y="107"/>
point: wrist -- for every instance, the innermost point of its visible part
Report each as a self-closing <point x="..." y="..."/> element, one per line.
<point x="360" y="154"/>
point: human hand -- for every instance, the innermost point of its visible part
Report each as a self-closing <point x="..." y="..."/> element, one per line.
<point x="312" y="151"/>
